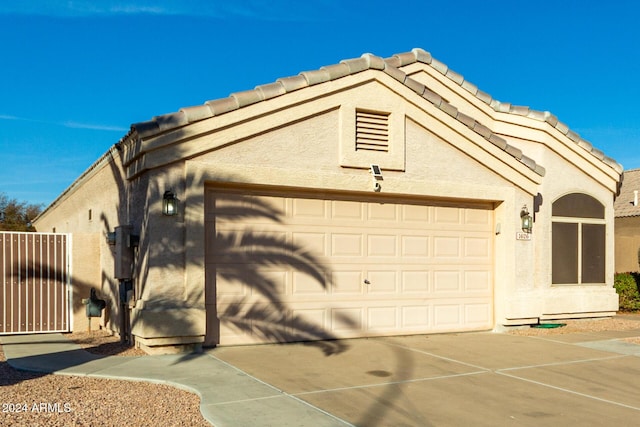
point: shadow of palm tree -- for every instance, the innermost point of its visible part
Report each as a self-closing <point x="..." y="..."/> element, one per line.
<point x="244" y="256"/>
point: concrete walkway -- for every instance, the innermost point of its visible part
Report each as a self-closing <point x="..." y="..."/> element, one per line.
<point x="481" y="379"/>
<point x="228" y="396"/>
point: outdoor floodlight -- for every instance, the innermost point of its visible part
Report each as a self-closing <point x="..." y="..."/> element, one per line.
<point x="376" y="172"/>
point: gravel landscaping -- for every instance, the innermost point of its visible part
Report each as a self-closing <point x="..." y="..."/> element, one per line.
<point x="31" y="399"/>
<point x="623" y="322"/>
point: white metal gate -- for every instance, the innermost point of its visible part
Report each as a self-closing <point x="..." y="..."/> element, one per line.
<point x="35" y="282"/>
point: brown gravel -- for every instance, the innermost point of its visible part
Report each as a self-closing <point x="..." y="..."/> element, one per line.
<point x="103" y="343"/>
<point x="31" y="399"/>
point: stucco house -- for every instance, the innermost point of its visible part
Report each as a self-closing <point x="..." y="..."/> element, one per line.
<point x="627" y="223"/>
<point x="371" y="197"/>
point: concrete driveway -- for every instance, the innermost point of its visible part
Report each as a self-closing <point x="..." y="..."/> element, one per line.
<point x="487" y="379"/>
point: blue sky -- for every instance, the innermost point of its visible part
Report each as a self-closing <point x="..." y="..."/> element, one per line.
<point x="74" y="75"/>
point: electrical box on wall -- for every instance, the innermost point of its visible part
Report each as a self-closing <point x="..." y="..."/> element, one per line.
<point x="124" y="246"/>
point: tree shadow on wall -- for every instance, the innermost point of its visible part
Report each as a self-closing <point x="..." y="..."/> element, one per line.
<point x="248" y="257"/>
<point x="246" y="284"/>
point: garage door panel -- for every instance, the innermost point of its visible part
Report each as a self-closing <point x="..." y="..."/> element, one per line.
<point x="382" y="212"/>
<point x="346" y="210"/>
<point x="476" y="247"/>
<point x="478" y="217"/>
<point x="447" y="281"/>
<point x="347" y="321"/>
<point x="415" y="317"/>
<point x="242" y="323"/>
<point x="380" y="245"/>
<point x="251" y="245"/>
<point x="447" y="316"/>
<point x="477" y="281"/>
<point x="477" y="314"/>
<point x="309" y="208"/>
<point x="447" y="215"/>
<point x="415" y="246"/>
<point x="228" y="208"/>
<point x="309" y="323"/>
<point x="347" y="282"/>
<point x="238" y="280"/>
<point x="415" y="213"/>
<point x="347" y="245"/>
<point x="383" y="319"/>
<point x="311" y="242"/>
<point x="446" y="247"/>
<point x="428" y="267"/>
<point x="415" y="282"/>
<point x="382" y="282"/>
<point x="304" y="284"/>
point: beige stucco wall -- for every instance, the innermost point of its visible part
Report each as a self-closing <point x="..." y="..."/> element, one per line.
<point x="304" y="140"/>
<point x="627" y="244"/>
<point x="86" y="274"/>
<point x="169" y="306"/>
<point x="564" y="177"/>
<point x="304" y="148"/>
<point x="434" y="168"/>
<point x="569" y="168"/>
<point x="89" y="211"/>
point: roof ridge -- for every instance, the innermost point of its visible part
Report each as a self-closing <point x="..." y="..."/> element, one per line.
<point x="425" y="57"/>
<point x="367" y="61"/>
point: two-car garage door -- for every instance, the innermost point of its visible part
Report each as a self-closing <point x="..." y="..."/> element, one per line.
<point x="287" y="267"/>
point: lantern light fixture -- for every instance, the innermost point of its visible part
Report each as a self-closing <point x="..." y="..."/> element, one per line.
<point x="526" y="219"/>
<point x="169" y="203"/>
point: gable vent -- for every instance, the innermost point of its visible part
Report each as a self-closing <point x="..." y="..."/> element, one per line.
<point x="372" y="131"/>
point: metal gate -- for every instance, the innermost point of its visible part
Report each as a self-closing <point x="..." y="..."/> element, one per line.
<point x="35" y="282"/>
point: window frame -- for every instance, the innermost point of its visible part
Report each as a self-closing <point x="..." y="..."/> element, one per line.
<point x="580" y="222"/>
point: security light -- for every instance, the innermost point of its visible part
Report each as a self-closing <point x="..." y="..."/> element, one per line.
<point x="376" y="172"/>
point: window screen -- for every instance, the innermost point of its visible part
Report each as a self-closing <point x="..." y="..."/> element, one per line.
<point x="593" y="244"/>
<point x="578" y="240"/>
<point x="564" y="263"/>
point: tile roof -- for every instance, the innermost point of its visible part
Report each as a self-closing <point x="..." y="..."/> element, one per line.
<point x="624" y="203"/>
<point x="389" y="66"/>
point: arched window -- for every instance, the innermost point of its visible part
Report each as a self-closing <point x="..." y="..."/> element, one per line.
<point x="578" y="240"/>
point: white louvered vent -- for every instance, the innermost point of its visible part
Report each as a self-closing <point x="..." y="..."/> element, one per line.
<point x="372" y="131"/>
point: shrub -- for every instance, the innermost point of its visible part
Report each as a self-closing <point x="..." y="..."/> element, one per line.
<point x="626" y="285"/>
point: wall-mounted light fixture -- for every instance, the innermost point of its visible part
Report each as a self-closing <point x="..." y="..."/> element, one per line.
<point x="526" y="219"/>
<point x="376" y="172"/>
<point x="169" y="203"/>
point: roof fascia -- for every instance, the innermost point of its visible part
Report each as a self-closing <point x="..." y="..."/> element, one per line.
<point x="456" y="94"/>
<point x="231" y="127"/>
<point x="98" y="165"/>
<point x="578" y="152"/>
<point x="498" y="112"/>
